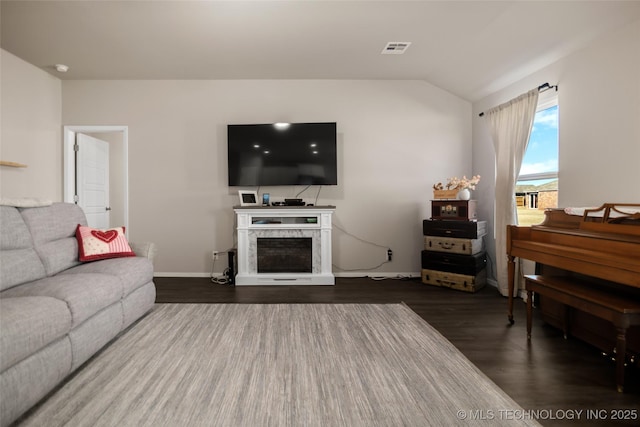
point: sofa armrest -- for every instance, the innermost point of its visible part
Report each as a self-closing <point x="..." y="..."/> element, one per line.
<point x="147" y="250"/>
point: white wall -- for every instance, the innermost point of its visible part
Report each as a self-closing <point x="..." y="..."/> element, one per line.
<point x="30" y="111"/>
<point x="599" y="125"/>
<point x="395" y="140"/>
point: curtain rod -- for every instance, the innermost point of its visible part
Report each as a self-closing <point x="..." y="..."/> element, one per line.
<point x="543" y="87"/>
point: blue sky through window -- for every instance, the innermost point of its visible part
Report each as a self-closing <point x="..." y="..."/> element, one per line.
<point x="542" y="152"/>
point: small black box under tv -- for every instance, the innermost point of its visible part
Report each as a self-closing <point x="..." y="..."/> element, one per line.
<point x="294" y="202"/>
<point x="233" y="267"/>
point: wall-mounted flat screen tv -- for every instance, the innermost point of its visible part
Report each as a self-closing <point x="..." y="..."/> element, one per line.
<point x="282" y="154"/>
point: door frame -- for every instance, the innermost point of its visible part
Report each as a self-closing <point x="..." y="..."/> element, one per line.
<point x="69" y="162"/>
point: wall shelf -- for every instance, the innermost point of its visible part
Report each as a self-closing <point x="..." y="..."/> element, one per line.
<point x="12" y="164"/>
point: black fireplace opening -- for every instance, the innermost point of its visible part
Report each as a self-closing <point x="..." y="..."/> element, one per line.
<point x="284" y="254"/>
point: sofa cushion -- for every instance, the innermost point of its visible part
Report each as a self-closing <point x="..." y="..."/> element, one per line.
<point x="133" y="272"/>
<point x="53" y="230"/>
<point x="28" y="381"/>
<point x="95" y="244"/>
<point x="84" y="294"/>
<point x="95" y="333"/>
<point x="20" y="263"/>
<point x="30" y="324"/>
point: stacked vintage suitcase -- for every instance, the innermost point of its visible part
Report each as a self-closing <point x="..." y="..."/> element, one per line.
<point x="454" y="254"/>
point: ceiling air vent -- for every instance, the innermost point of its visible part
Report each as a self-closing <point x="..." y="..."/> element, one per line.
<point x="395" y="48"/>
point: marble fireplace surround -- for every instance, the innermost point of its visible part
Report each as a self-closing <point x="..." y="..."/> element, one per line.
<point x="284" y="222"/>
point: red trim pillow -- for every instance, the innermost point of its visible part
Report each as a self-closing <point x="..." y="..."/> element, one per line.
<point x="94" y="244"/>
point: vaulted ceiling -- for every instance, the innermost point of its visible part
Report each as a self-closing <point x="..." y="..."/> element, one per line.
<point x="469" y="48"/>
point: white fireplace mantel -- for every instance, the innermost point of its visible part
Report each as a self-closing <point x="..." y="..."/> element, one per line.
<point x="284" y="222"/>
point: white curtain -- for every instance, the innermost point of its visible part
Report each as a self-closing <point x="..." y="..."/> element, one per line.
<point x="510" y="125"/>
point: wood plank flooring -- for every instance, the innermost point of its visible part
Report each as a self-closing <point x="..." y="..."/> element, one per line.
<point x="553" y="378"/>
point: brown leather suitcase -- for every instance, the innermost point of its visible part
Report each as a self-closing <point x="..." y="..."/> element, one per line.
<point x="460" y="282"/>
<point x="453" y="245"/>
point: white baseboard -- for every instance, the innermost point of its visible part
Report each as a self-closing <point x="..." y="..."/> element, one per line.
<point x="373" y="274"/>
<point x="182" y="274"/>
<point x="376" y="274"/>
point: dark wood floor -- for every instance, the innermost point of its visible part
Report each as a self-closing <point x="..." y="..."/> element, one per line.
<point x="555" y="376"/>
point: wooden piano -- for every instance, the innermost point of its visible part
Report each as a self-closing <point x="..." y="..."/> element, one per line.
<point x="591" y="261"/>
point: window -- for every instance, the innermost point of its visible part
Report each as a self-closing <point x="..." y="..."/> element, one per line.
<point x="537" y="185"/>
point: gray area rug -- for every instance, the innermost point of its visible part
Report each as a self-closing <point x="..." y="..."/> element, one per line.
<point x="279" y="365"/>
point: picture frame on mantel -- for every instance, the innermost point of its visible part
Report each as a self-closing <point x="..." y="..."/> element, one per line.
<point x="248" y="198"/>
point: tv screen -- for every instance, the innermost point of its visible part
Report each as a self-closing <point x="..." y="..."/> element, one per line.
<point x="282" y="154"/>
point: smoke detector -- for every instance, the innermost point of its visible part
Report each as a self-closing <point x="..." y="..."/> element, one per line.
<point x="61" y="68"/>
<point x="395" y="48"/>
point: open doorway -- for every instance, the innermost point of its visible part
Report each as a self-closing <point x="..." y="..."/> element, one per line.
<point x="118" y="194"/>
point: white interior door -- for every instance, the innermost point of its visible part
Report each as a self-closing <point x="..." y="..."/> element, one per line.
<point x="92" y="179"/>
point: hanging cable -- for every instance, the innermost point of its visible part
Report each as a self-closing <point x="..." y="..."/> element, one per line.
<point x="303" y="190"/>
<point x="358" y="238"/>
<point x="220" y="280"/>
<point x="365" y="242"/>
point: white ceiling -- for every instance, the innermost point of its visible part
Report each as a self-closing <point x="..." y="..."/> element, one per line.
<point x="469" y="48"/>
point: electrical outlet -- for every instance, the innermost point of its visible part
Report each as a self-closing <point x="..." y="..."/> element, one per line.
<point x="389" y="254"/>
<point x="214" y="255"/>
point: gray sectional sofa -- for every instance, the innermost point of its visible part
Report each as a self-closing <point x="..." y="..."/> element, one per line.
<point x="55" y="312"/>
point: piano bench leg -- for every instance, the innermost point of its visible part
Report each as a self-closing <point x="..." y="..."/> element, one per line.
<point x="529" y="312"/>
<point x="621" y="352"/>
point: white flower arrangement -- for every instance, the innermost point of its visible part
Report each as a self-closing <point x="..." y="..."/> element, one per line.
<point x="456" y="183"/>
<point x="461" y="184"/>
